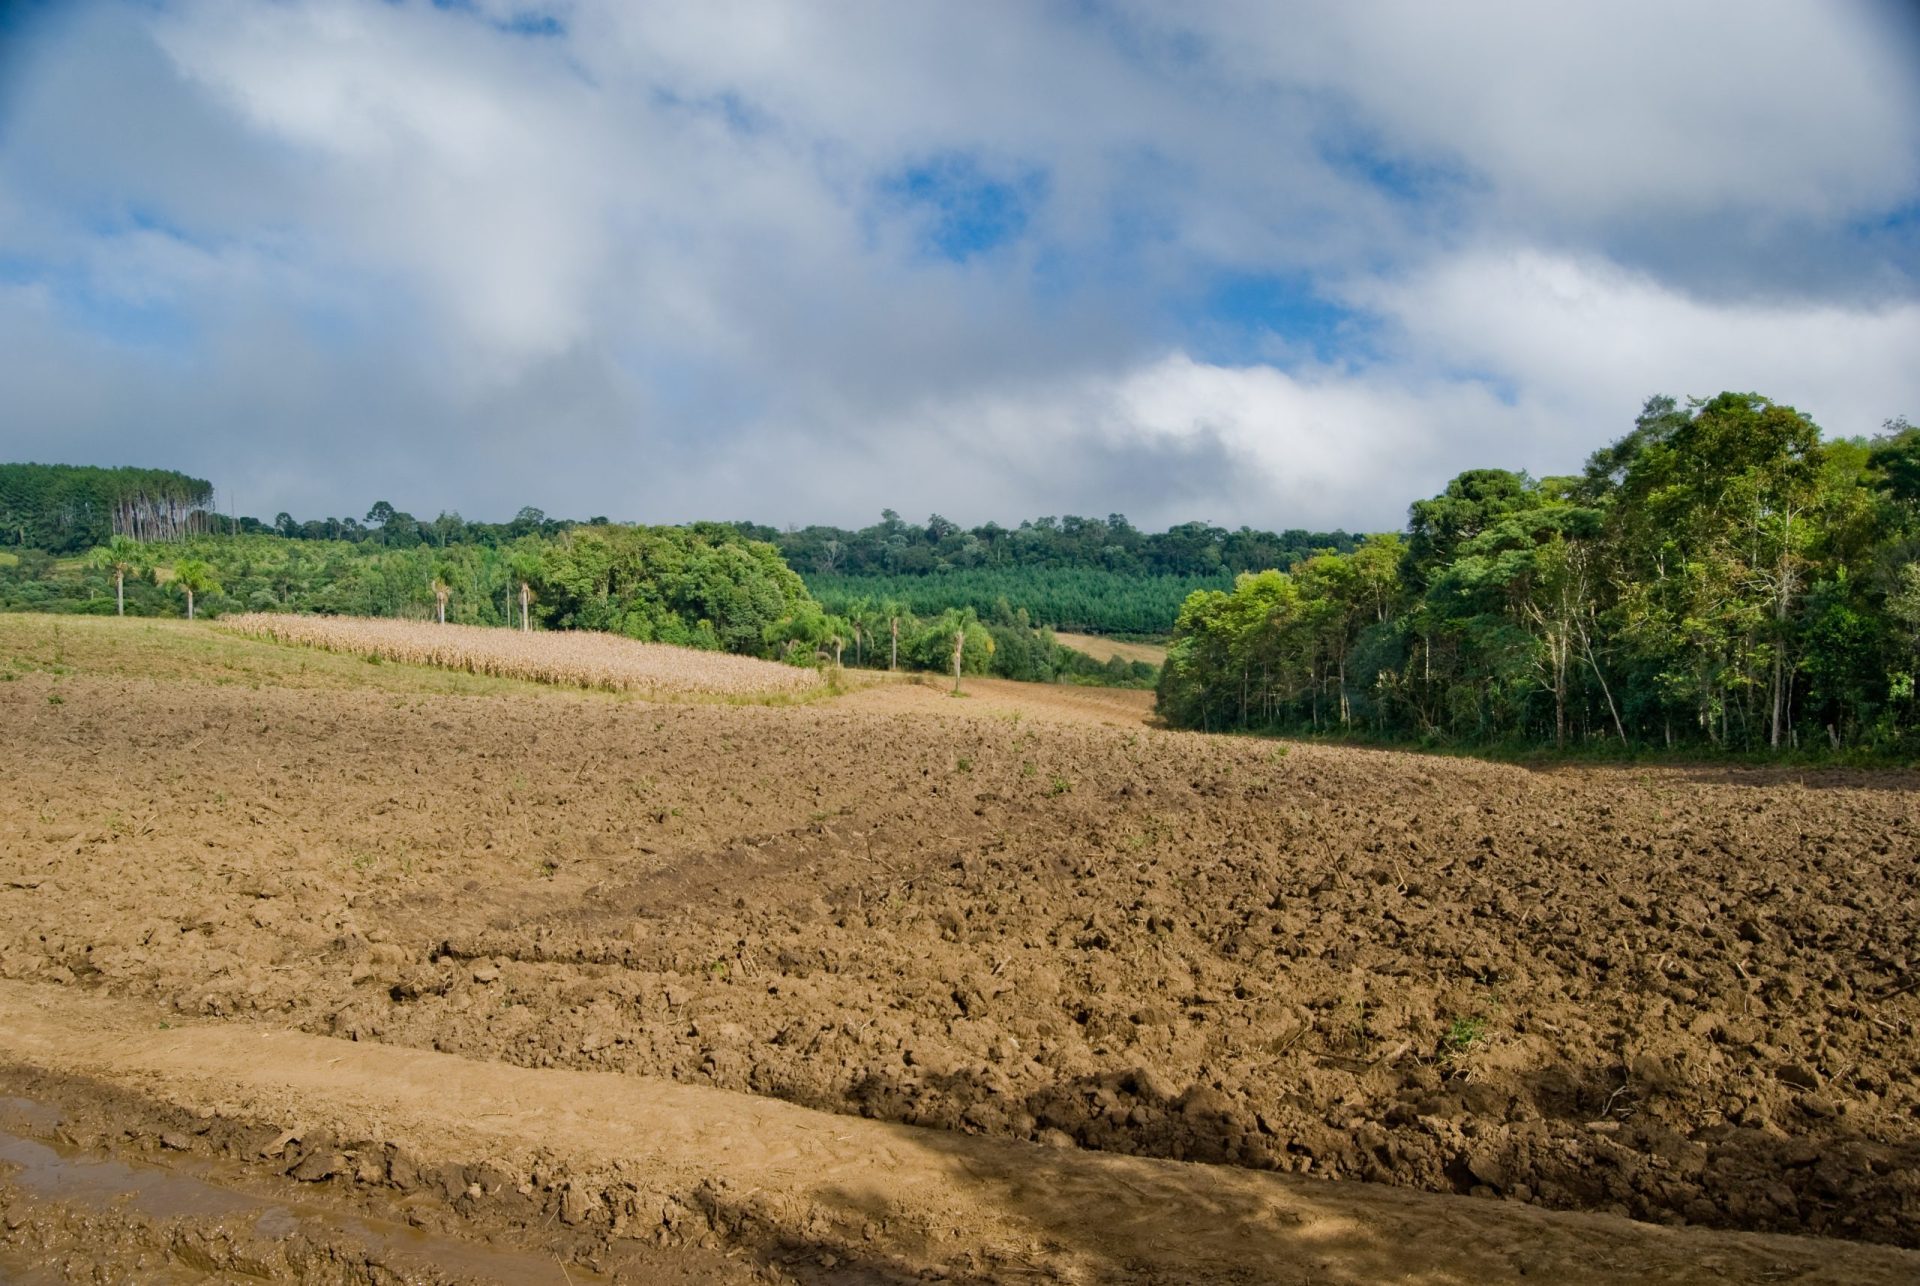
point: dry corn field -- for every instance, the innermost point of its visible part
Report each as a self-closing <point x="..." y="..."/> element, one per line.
<point x="575" y="657"/>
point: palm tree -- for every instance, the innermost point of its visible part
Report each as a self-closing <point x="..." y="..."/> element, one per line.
<point x="119" y="556"/>
<point x="526" y="569"/>
<point x="836" y="637"/>
<point x="195" y="577"/>
<point x="441" y="592"/>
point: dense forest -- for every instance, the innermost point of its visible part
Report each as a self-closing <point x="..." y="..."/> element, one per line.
<point x="1101" y="575"/>
<point x="63" y="508"/>
<point x="1067" y="598"/>
<point x="893" y="547"/>
<point x="1718" y="577"/>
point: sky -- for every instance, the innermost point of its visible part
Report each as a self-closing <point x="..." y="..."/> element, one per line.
<point x="1286" y="265"/>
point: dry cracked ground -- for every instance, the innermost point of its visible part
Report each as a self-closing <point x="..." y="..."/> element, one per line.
<point x="444" y="978"/>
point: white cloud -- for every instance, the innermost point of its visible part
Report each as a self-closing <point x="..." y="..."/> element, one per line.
<point x="658" y="247"/>
<point x="1586" y="113"/>
<point x="1520" y="360"/>
<point x="1580" y="337"/>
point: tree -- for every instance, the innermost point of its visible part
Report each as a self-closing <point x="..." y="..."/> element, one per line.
<point x="194" y="576"/>
<point x="448" y="529"/>
<point x="119" y="556"/>
<point x="441" y="592"/>
<point x="1712" y="518"/>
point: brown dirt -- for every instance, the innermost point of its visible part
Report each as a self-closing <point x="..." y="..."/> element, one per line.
<point x="1103" y="649"/>
<point x="926" y="695"/>
<point x="1685" y="995"/>
<point x="578" y="1168"/>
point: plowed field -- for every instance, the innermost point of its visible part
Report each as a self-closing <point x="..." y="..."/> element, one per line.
<point x="1682" y="995"/>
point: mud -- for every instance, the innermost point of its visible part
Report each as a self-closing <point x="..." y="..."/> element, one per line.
<point x="189" y="1201"/>
<point x="616" y="1171"/>
<point x="1684" y="995"/>
<point x="62" y="1206"/>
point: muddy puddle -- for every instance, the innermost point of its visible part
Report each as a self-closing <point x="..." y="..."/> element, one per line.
<point x="72" y="1188"/>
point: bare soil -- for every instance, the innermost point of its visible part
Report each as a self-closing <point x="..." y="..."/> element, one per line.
<point x="583" y="1177"/>
<point x="1101" y="648"/>
<point x="1681" y="995"/>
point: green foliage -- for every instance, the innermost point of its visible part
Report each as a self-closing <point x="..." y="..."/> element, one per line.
<point x="1071" y="598"/>
<point x="893" y="547"/>
<point x="63" y="508"/>
<point x="1719" y="577"/>
<point x="700" y="586"/>
<point x="1070" y="573"/>
<point x="1462" y="1037"/>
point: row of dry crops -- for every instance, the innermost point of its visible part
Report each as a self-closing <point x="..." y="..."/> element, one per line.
<point x="577" y="658"/>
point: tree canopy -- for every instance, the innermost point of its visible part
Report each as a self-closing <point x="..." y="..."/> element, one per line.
<point x="1718" y="576"/>
<point x="64" y="508"/>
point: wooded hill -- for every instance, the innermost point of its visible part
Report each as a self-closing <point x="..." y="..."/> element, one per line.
<point x="1105" y="576"/>
<point x="1719" y="577"/>
<point x="63" y="508"/>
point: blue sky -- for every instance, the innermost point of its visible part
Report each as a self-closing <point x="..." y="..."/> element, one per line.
<point x="1239" y="262"/>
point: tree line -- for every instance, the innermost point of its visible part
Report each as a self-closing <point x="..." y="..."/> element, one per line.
<point x="704" y="585"/>
<point x="1100" y="575"/>
<point x="1718" y="577"/>
<point x="392" y="528"/>
<point x="1089" y="599"/>
<point x="894" y="547"/>
<point x="883" y="633"/>
<point x="64" y="508"/>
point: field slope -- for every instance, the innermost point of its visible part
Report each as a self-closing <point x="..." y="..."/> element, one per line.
<point x="1021" y="919"/>
<point x="579" y="658"/>
<point x="1103" y="649"/>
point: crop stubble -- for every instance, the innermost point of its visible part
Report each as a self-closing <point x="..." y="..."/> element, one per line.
<point x="578" y="658"/>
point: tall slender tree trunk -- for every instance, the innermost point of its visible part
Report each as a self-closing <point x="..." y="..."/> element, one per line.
<point x="120" y="590"/>
<point x="893" y="657"/>
<point x="1586" y="645"/>
<point x="1562" y="644"/>
<point x="1560" y="712"/>
<point x="1779" y="698"/>
<point x="959" y="644"/>
<point x="189" y="604"/>
<point x="524" y="627"/>
<point x="1780" y="652"/>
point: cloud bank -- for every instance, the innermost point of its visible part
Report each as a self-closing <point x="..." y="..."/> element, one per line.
<point x="800" y="263"/>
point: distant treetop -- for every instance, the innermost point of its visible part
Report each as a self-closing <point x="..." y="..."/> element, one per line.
<point x="63" y="508"/>
<point x="895" y="547"/>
